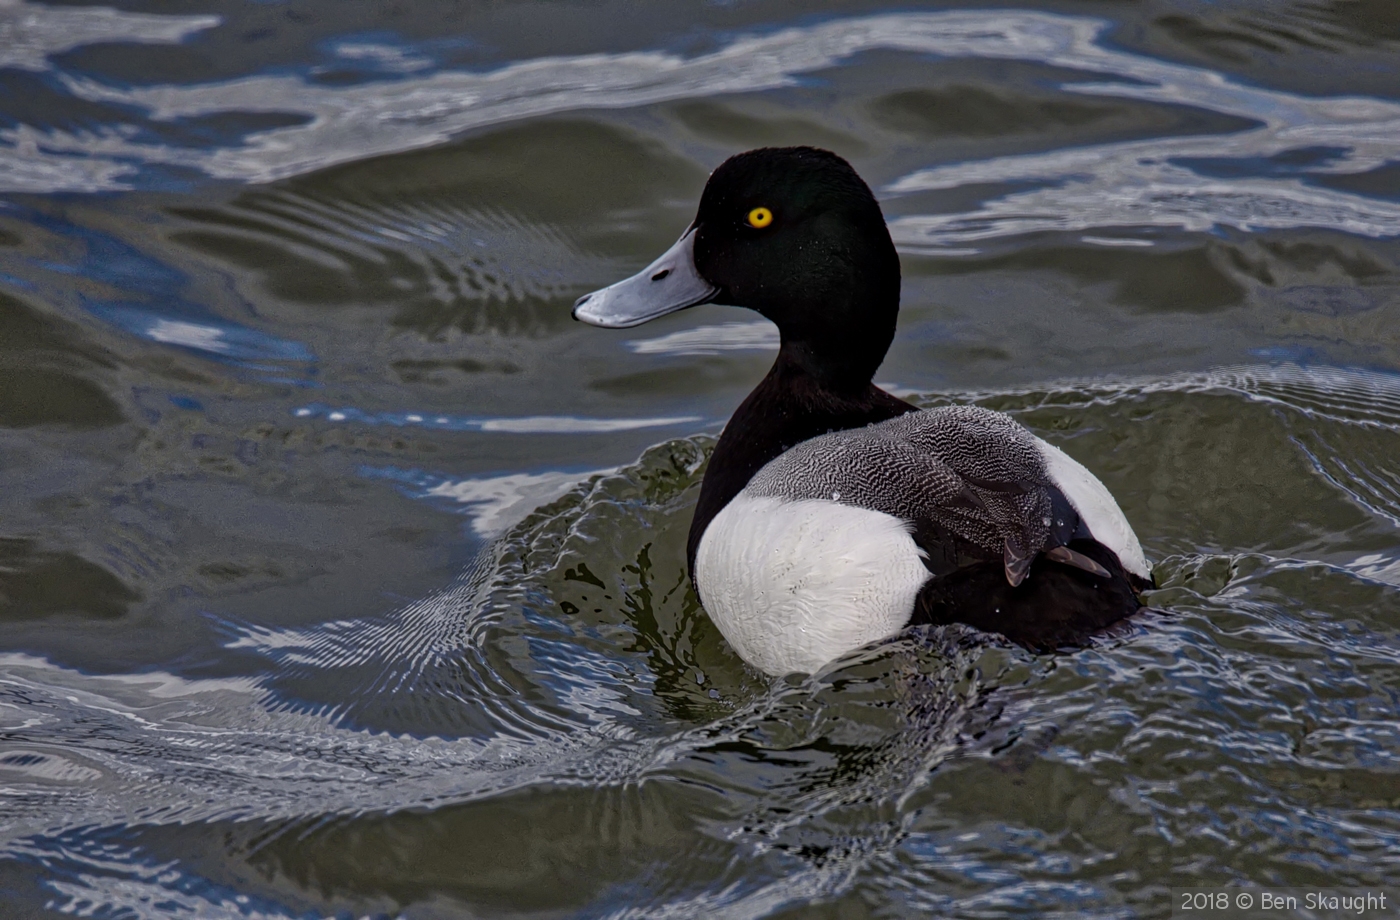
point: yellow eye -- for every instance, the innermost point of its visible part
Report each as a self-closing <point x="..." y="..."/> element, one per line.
<point x="760" y="218"/>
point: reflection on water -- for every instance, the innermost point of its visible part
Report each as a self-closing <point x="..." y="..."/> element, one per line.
<point x="1140" y="184"/>
<point x="33" y="32"/>
<point x="539" y="424"/>
<point x="1133" y="185"/>
<point x="711" y="340"/>
<point x="342" y="574"/>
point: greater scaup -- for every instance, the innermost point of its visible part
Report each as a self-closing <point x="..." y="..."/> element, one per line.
<point x="833" y="514"/>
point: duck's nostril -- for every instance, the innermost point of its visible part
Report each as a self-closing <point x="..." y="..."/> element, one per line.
<point x="661" y="274"/>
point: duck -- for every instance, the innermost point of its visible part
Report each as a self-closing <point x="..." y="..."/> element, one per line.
<point x="833" y="514"/>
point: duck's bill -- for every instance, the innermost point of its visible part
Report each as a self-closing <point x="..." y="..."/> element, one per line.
<point x="669" y="284"/>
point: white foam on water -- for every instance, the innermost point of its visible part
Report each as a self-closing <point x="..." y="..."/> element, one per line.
<point x="32" y="32"/>
<point x="190" y="335"/>
<point x="1378" y="567"/>
<point x="498" y="502"/>
<point x="530" y="424"/>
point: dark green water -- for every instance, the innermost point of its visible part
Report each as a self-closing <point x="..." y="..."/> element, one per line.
<point x="341" y="573"/>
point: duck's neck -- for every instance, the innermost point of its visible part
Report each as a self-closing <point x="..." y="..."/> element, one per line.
<point x="789" y="406"/>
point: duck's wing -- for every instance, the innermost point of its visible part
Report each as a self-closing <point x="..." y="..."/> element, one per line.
<point x="973" y="484"/>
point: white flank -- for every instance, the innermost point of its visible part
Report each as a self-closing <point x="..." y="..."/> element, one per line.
<point x="1096" y="507"/>
<point x="795" y="584"/>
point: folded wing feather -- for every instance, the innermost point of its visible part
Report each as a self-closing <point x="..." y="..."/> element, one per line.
<point x="966" y="474"/>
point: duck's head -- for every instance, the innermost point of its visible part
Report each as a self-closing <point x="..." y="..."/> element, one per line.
<point x="793" y="233"/>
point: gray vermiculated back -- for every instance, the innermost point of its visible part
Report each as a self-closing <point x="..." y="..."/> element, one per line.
<point x="938" y="465"/>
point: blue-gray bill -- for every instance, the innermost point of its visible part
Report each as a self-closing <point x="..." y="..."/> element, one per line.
<point x="669" y="284"/>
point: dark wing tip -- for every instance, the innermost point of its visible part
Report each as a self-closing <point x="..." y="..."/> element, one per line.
<point x="1066" y="556"/>
<point x="1016" y="562"/>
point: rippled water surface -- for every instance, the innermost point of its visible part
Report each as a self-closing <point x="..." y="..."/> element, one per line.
<point x="341" y="573"/>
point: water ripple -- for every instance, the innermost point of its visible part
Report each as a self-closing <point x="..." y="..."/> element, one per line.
<point x="31" y="32"/>
<point x="535" y="424"/>
<point x="451" y="253"/>
<point x="710" y="340"/>
<point x="1348" y="396"/>
<point x="568" y="661"/>
<point x="494" y="503"/>
<point x="1159" y="183"/>
<point x="1166" y="182"/>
